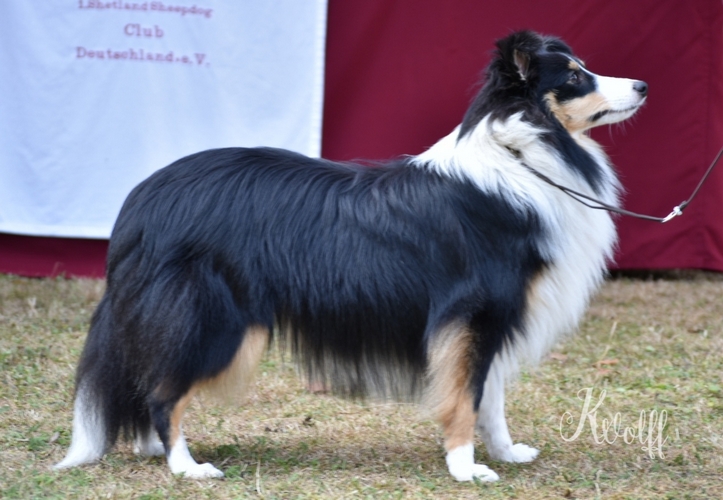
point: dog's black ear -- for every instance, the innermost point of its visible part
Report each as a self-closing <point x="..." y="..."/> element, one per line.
<point x="518" y="50"/>
<point x="522" y="61"/>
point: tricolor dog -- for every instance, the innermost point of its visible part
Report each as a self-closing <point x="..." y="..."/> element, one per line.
<point x="429" y="277"/>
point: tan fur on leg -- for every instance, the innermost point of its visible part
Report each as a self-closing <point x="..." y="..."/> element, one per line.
<point x="449" y="393"/>
<point x="233" y="383"/>
<point x="451" y="399"/>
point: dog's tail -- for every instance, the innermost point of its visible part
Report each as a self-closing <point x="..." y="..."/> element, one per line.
<point x="105" y="395"/>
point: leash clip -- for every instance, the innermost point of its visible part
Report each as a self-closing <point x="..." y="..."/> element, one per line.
<point x="675" y="213"/>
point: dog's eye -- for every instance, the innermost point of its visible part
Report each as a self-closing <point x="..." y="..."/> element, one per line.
<point x="574" y="77"/>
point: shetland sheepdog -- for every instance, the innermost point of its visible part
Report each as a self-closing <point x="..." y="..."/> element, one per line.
<point x="429" y="277"/>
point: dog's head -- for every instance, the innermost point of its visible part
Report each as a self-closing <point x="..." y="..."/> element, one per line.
<point x="534" y="73"/>
<point x="546" y="69"/>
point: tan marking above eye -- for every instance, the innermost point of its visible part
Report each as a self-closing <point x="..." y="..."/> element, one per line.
<point x="573" y="65"/>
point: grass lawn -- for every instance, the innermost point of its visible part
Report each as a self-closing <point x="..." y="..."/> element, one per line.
<point x="649" y="357"/>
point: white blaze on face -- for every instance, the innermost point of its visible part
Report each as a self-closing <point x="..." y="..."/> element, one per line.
<point x="609" y="100"/>
<point x="621" y="95"/>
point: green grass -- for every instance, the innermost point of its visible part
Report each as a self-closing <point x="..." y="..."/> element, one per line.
<point x="650" y="345"/>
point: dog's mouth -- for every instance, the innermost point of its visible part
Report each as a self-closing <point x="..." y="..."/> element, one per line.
<point x="615" y="112"/>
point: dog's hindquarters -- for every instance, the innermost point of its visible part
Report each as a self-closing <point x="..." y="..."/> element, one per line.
<point x="180" y="331"/>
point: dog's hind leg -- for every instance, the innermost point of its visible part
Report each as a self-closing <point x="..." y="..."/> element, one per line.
<point x="451" y="398"/>
<point x="148" y="444"/>
<point x="492" y="424"/>
<point x="168" y="406"/>
<point x="167" y="416"/>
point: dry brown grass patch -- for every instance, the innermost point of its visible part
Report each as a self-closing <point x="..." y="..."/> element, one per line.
<point x="651" y="345"/>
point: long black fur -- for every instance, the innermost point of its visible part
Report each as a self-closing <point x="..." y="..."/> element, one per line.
<point x="360" y="265"/>
<point x="357" y="267"/>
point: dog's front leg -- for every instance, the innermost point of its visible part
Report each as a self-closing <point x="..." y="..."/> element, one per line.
<point x="492" y="424"/>
<point x="458" y="441"/>
<point x="452" y="401"/>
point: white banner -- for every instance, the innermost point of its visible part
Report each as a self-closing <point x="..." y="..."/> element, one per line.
<point x="96" y="95"/>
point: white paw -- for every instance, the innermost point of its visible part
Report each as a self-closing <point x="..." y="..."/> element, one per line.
<point x="460" y="462"/>
<point x="518" y="453"/>
<point x="149" y="448"/>
<point x="200" y="471"/>
<point x="482" y="473"/>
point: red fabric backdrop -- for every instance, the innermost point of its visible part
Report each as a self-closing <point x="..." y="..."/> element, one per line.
<point x="400" y="74"/>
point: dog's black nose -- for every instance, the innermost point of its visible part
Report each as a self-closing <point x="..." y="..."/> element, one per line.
<point x="641" y="88"/>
